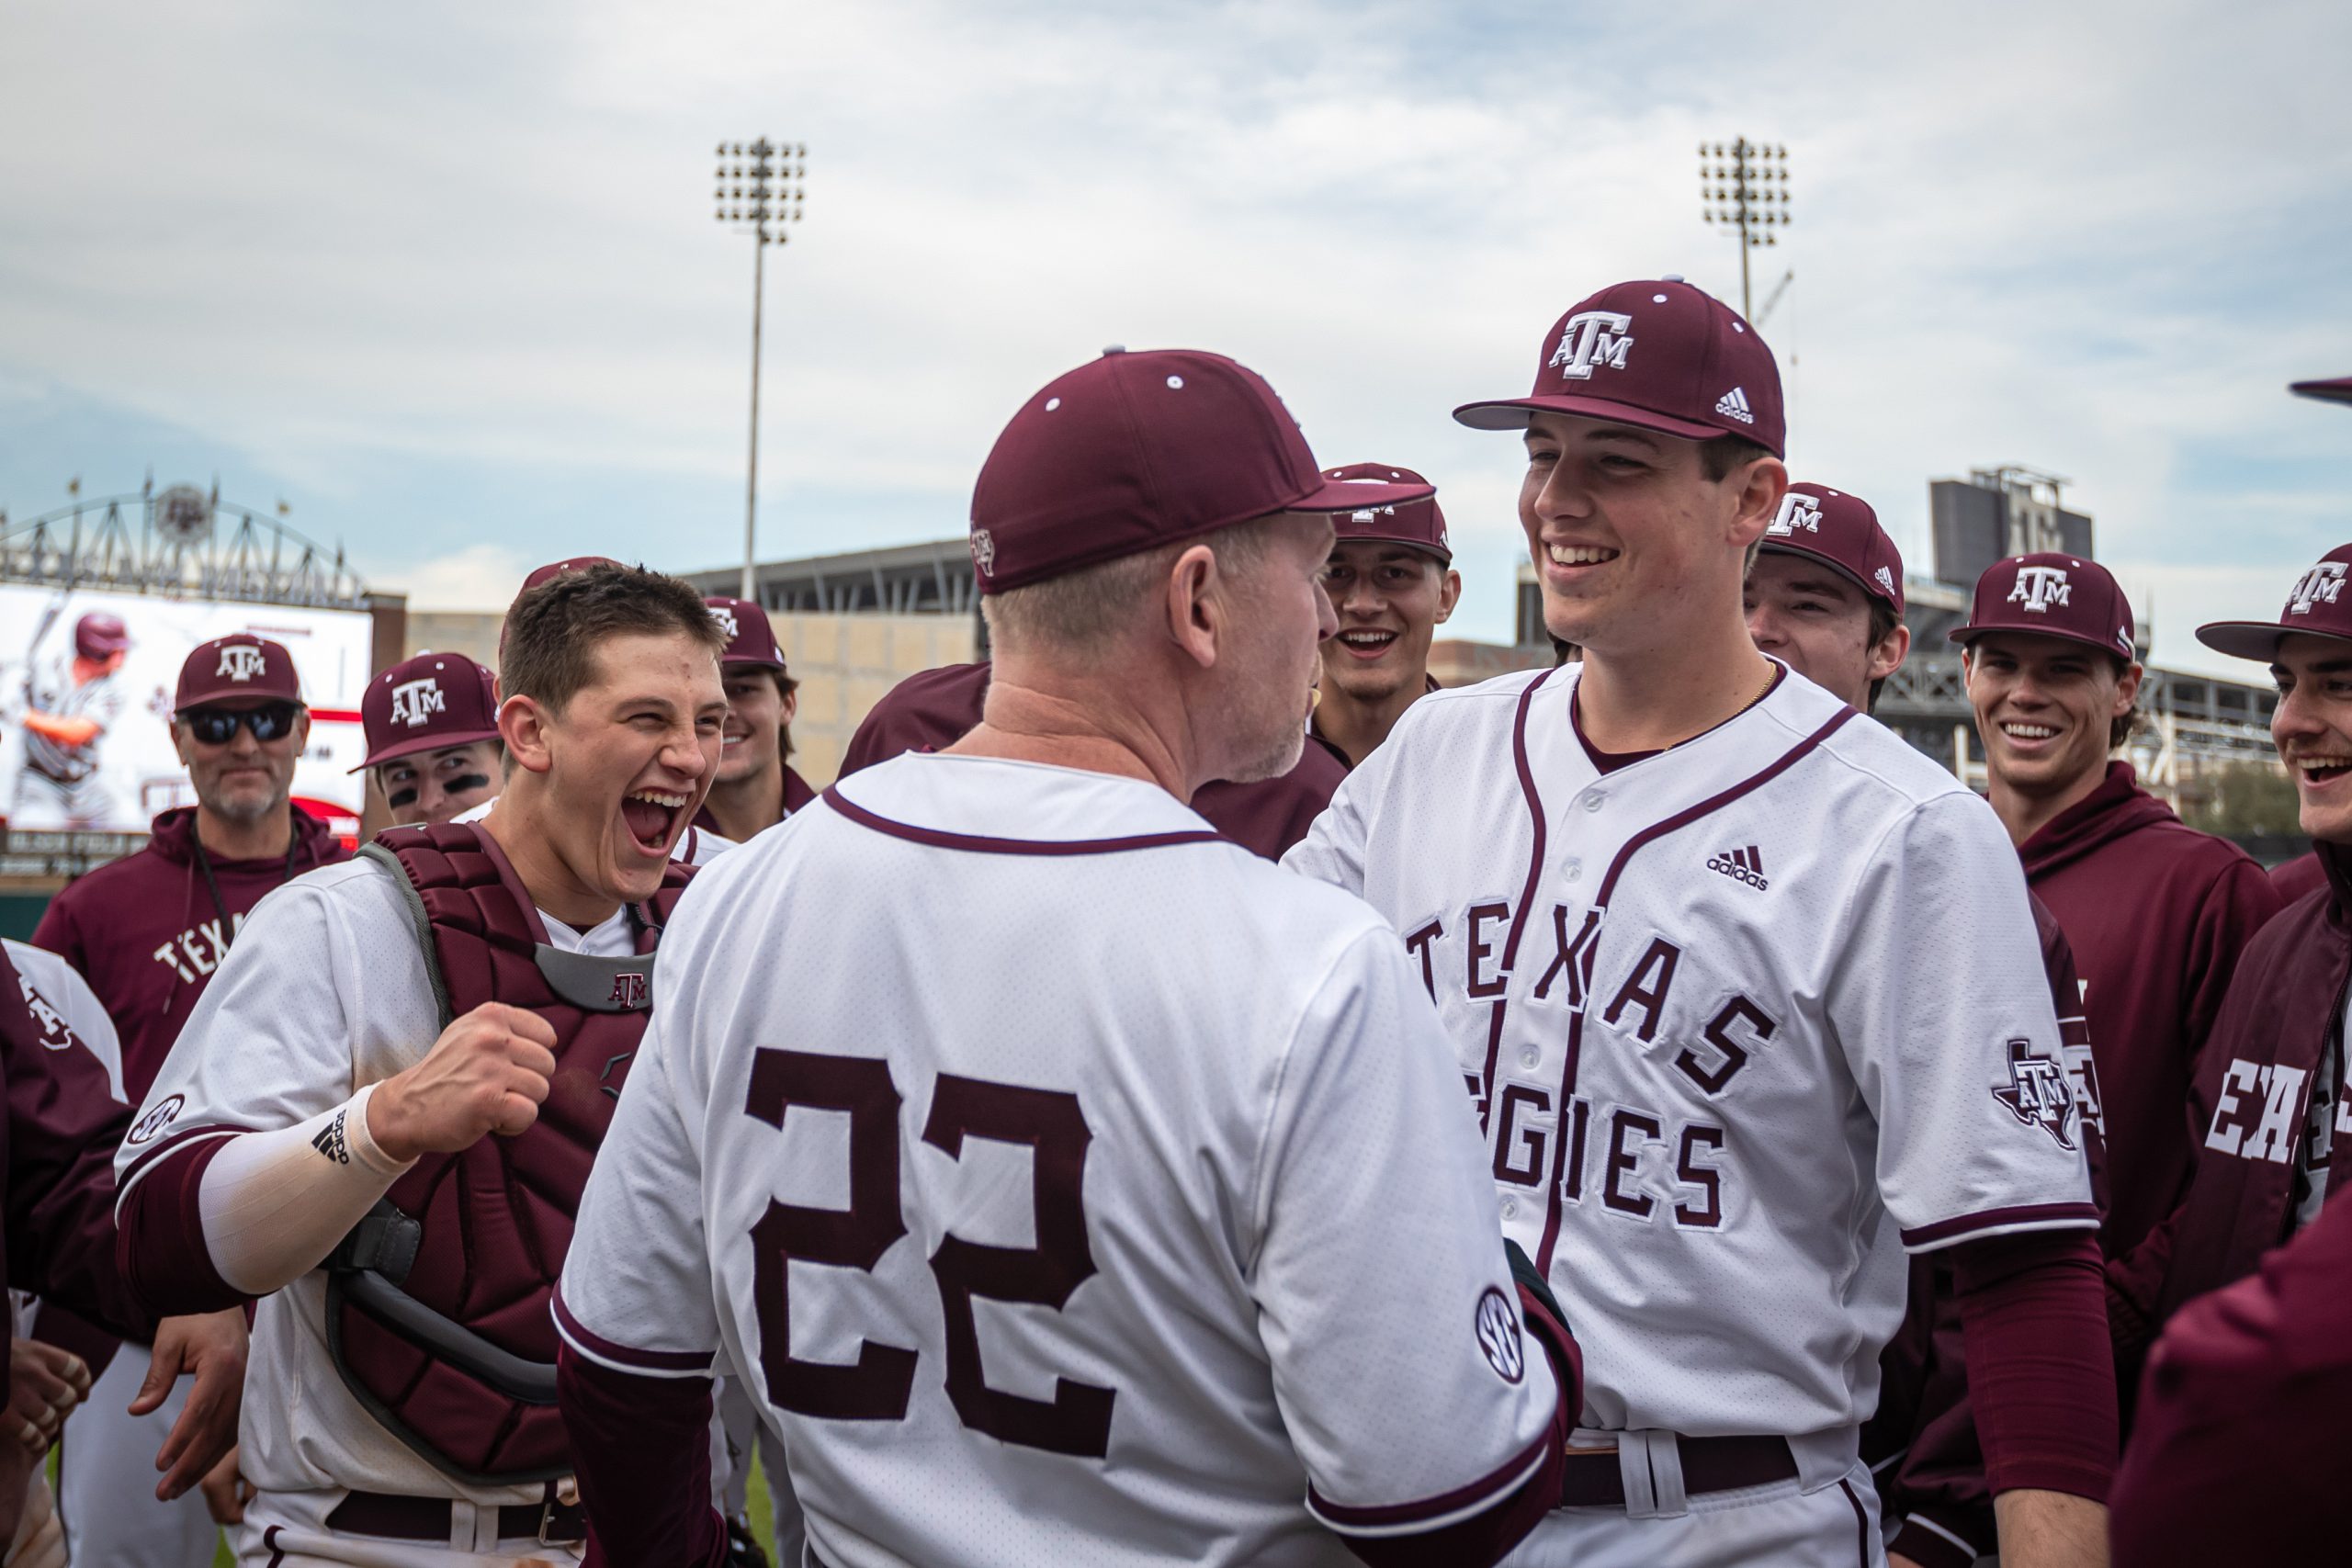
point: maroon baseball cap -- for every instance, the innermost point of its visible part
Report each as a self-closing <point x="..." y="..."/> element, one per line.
<point x="1416" y="522"/>
<point x="2339" y="390"/>
<point x="750" y="638"/>
<point x="1660" y="355"/>
<point x="1841" y="532"/>
<point x="1137" y="450"/>
<point x="100" y="636"/>
<point x="426" y="703"/>
<point x="243" y="670"/>
<point x="557" y="567"/>
<point x="2054" y="595"/>
<point x="2317" y="605"/>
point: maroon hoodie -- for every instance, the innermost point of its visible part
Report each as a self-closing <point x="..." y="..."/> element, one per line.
<point x="2285" y="1014"/>
<point x="145" y="933"/>
<point x="2238" y="1455"/>
<point x="2157" y="914"/>
<point x="938" y="708"/>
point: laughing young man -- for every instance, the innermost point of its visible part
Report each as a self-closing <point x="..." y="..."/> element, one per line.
<point x="1392" y="584"/>
<point x="2238" y="1455"/>
<point x="469" y="979"/>
<point x="2156" y="912"/>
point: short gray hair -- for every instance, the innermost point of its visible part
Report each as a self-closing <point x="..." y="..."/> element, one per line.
<point x="1086" y="610"/>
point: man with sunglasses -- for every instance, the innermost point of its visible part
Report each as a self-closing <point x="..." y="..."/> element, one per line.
<point x="432" y="724"/>
<point x="148" y="932"/>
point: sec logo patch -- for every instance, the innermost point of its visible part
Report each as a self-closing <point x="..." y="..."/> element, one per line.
<point x="156" y="1117"/>
<point x="1499" y="1337"/>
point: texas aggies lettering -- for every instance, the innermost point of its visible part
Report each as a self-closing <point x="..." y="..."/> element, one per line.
<point x="1669" y="1068"/>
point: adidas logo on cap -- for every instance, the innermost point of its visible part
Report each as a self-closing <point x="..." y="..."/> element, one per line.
<point x="1733" y="405"/>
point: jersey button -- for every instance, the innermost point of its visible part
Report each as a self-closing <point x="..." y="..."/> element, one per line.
<point x="1595" y="801"/>
<point x="1572" y="868"/>
<point x="1529" y="1056"/>
<point x="1510" y="1208"/>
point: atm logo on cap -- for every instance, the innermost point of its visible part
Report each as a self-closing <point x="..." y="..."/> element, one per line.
<point x="1798" y="510"/>
<point x="2321" y="585"/>
<point x="2040" y="588"/>
<point x="726" y="619"/>
<point x="984" y="551"/>
<point x="1591" y="339"/>
<point x="414" y="702"/>
<point x="240" y="662"/>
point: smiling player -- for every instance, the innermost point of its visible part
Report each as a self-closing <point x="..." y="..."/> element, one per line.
<point x="758" y="788"/>
<point x="432" y="724"/>
<point x="469" y="979"/>
<point x="1667" y="902"/>
<point x="1392" y="584"/>
<point x="2156" y="912"/>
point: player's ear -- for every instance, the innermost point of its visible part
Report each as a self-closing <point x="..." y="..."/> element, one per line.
<point x="523" y="726"/>
<point x="1196" y="606"/>
<point x="1449" y="592"/>
<point x="182" y="744"/>
<point x="1762" y="482"/>
<point x="1890" y="651"/>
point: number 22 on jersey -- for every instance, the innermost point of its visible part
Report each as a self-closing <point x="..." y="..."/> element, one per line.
<point x="879" y="1383"/>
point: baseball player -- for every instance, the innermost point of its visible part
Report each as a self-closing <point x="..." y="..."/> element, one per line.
<point x="1118" y="1277"/>
<point x="2304" y="873"/>
<point x="1824" y="596"/>
<point x="2267" y="1109"/>
<point x="64" y="1116"/>
<point x="2235" y="1455"/>
<point x="149" y="931"/>
<point x="2157" y="913"/>
<point x="1667" y="900"/>
<point x="1392" y="584"/>
<point x="932" y="710"/>
<point x="72" y="705"/>
<point x="468" y="980"/>
<point x="758" y="787"/>
<point x="432" y="728"/>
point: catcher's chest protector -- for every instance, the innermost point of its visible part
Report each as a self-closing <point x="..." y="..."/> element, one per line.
<point x="479" y="1238"/>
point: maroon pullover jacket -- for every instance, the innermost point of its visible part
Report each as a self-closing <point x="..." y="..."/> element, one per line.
<point x="2157" y="914"/>
<point x="938" y="708"/>
<point x="2250" y="1106"/>
<point x="145" y="933"/>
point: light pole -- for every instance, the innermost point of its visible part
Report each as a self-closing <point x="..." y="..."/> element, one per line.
<point x="1745" y="184"/>
<point x="759" y="185"/>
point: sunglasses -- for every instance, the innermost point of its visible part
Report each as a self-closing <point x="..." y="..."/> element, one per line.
<point x="217" y="727"/>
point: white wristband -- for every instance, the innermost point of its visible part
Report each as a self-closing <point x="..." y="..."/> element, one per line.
<point x="273" y="1204"/>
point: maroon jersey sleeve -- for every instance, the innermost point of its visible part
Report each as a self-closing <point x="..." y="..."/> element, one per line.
<point x="2236" y="1451"/>
<point x="63" y="1126"/>
<point x="641" y="1447"/>
<point x="2039" y="1376"/>
<point x="933" y="709"/>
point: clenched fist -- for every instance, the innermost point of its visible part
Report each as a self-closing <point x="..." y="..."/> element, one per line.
<point x="488" y="1073"/>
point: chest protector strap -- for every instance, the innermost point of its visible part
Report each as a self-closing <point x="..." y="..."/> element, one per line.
<point x="437" y="1302"/>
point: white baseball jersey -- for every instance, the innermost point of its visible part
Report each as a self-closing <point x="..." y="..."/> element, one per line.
<point x="55" y="989"/>
<point x="1034" y="1150"/>
<point x="325" y="993"/>
<point x="1738" y="1020"/>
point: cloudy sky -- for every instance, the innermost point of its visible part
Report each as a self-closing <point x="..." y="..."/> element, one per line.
<point x="445" y="277"/>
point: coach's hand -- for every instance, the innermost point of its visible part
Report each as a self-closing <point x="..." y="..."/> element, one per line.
<point x="212" y="1346"/>
<point x="488" y="1073"/>
<point x="44" y="1386"/>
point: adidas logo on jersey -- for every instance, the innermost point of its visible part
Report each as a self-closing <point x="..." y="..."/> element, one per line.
<point x="1733" y="405"/>
<point x="1741" y="865"/>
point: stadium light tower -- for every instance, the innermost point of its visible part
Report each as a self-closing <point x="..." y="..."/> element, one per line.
<point x="1745" y="184"/>
<point x="758" y="189"/>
